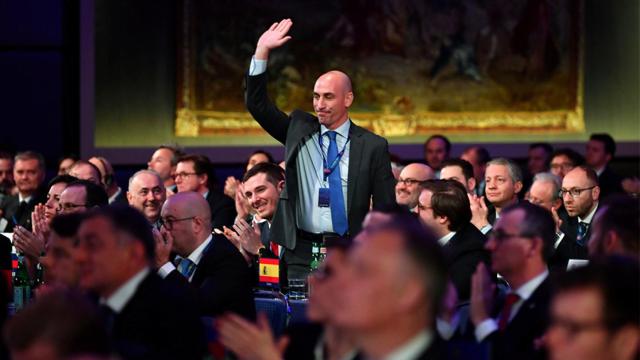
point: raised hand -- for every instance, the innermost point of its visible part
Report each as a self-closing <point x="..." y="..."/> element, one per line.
<point x="248" y="237"/>
<point x="273" y="38"/>
<point x="250" y="341"/>
<point x="164" y="243"/>
<point x="479" y="211"/>
<point x="231" y="186"/>
<point x="39" y="221"/>
<point x="28" y="243"/>
<point x="556" y="218"/>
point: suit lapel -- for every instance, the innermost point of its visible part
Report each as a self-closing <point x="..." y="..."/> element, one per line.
<point x="355" y="156"/>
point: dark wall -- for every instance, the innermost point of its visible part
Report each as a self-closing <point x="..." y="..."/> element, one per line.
<point x="38" y="76"/>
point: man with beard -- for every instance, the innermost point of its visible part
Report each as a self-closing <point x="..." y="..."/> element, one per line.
<point x="408" y="187"/>
<point x="580" y="194"/>
<point x="147" y="194"/>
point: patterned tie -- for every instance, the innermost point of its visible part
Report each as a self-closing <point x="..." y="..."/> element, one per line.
<point x="338" y="214"/>
<point x="582" y="231"/>
<point x="186" y="267"/>
<point x="511" y="299"/>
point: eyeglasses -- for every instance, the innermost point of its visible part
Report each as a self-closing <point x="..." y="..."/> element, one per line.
<point x="62" y="207"/>
<point x="183" y="175"/>
<point x="168" y="223"/>
<point x="408" y="181"/>
<point x="575" y="192"/>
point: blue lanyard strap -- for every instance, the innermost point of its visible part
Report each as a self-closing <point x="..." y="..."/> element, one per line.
<point x="327" y="170"/>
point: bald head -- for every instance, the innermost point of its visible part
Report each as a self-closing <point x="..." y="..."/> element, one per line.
<point x="332" y="97"/>
<point x="187" y="217"/>
<point x="408" y="186"/>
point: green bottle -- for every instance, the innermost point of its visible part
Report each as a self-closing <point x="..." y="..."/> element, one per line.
<point x="21" y="285"/>
<point x="315" y="256"/>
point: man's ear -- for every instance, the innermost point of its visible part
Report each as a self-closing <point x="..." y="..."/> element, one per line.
<point x="471" y="184"/>
<point x="280" y="185"/>
<point x="595" y="193"/>
<point x="203" y="179"/>
<point x="348" y="99"/>
<point x="517" y="186"/>
<point x="129" y="197"/>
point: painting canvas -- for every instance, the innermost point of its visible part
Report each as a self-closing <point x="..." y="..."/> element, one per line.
<point x="417" y="66"/>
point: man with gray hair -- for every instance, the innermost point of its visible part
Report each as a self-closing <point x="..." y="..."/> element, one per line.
<point x="147" y="194"/>
<point x="28" y="174"/>
<point x="503" y="179"/>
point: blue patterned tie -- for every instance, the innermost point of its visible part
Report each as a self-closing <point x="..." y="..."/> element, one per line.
<point x="186" y="267"/>
<point x="338" y="214"/>
<point x="582" y="231"/>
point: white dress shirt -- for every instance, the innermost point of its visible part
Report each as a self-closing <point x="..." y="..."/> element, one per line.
<point x="195" y="257"/>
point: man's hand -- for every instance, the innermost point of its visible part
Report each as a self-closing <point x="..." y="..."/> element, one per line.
<point x="164" y="243"/>
<point x="481" y="294"/>
<point x="449" y="302"/>
<point x="250" y="341"/>
<point x="248" y="237"/>
<point x="273" y="38"/>
<point x="243" y="208"/>
<point x="556" y="219"/>
<point x="479" y="211"/>
<point x="39" y="221"/>
<point x="231" y="186"/>
<point x="28" y="243"/>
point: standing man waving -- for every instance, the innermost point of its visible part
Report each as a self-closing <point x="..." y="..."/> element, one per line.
<point x="334" y="168"/>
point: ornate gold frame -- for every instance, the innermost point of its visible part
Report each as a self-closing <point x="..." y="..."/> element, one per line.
<point x="192" y="122"/>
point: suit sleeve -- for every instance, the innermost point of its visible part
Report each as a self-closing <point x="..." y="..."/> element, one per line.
<point x="383" y="180"/>
<point x="263" y="110"/>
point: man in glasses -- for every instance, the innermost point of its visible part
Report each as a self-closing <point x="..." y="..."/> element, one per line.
<point x="208" y="264"/>
<point x="195" y="173"/>
<point x="147" y="194"/>
<point x="580" y="195"/>
<point x="520" y="244"/>
<point x="81" y="195"/>
<point x="594" y="312"/>
<point x="408" y="187"/>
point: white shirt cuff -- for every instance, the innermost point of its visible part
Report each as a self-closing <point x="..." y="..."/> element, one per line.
<point x="485" y="329"/>
<point x="447" y="329"/>
<point x="559" y="237"/>
<point x="485" y="229"/>
<point x="166" y="269"/>
<point x="257" y="67"/>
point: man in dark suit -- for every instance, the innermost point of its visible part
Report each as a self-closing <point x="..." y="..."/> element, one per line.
<point x="146" y="317"/>
<point x="195" y="173"/>
<point x="444" y="206"/>
<point x="520" y="245"/>
<point x="616" y="227"/>
<point x="109" y="181"/>
<point x="210" y="266"/>
<point x="580" y="195"/>
<point x="601" y="149"/>
<point x="333" y="167"/>
<point x="28" y="173"/>
<point x="392" y="289"/>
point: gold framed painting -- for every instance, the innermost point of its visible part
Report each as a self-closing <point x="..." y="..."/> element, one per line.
<point x="417" y="66"/>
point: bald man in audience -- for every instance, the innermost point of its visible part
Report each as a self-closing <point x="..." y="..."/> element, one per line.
<point x="206" y="264"/>
<point x="408" y="186"/>
<point x="85" y="170"/>
<point x="615" y="228"/>
<point x="147" y="194"/>
<point x="324" y="198"/>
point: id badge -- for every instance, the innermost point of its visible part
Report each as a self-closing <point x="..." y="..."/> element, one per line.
<point x="324" y="197"/>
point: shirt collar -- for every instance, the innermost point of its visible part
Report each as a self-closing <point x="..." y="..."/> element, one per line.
<point x="196" y="255"/>
<point x="24" y="198"/>
<point x="445" y="239"/>
<point x="119" y="299"/>
<point x="601" y="170"/>
<point x="587" y="219"/>
<point x="412" y="348"/>
<point x="342" y="130"/>
<point x="205" y="194"/>
<point x="530" y="286"/>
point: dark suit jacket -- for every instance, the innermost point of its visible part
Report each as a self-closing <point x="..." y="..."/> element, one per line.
<point x="223" y="209"/>
<point x="610" y="183"/>
<point x="369" y="165"/>
<point x="569" y="247"/>
<point x="121" y="198"/>
<point x="462" y="253"/>
<point x="10" y="206"/>
<point x="529" y="324"/>
<point x="158" y="322"/>
<point x="222" y="281"/>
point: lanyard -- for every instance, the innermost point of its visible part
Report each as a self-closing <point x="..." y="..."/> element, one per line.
<point x="328" y="169"/>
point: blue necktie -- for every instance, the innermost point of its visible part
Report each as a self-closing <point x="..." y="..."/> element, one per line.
<point x="186" y="267"/>
<point x="582" y="231"/>
<point x="338" y="213"/>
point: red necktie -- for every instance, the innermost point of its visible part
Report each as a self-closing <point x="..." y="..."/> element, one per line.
<point x="511" y="299"/>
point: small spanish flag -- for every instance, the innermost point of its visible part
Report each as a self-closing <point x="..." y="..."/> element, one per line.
<point x="269" y="270"/>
